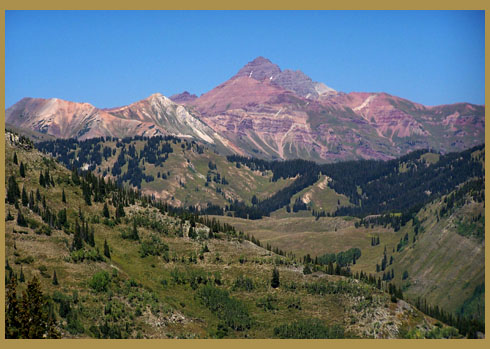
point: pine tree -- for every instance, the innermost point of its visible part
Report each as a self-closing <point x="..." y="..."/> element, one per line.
<point x="77" y="243"/>
<point x="275" y="278"/>
<point x="22" y="170"/>
<point x="32" y="314"/>
<point x="105" y="211"/>
<point x="15" y="159"/>
<point x="74" y="176"/>
<point x="21" y="221"/>
<point x="42" y="181"/>
<point x="91" y="237"/>
<point x="13" y="191"/>
<point x="107" y="252"/>
<point x="9" y="216"/>
<point x="63" y="196"/>
<point x="134" y="232"/>
<point x="31" y="200"/>
<point x="55" y="279"/>
<point x="12" y="321"/>
<point x="25" y="199"/>
<point x="120" y="211"/>
<point x="22" y="277"/>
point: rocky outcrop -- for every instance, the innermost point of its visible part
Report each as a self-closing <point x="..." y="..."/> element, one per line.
<point x="183" y="98"/>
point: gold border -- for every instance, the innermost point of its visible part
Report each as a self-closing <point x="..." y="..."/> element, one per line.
<point x="222" y="5"/>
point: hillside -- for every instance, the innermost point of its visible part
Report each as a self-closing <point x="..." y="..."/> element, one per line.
<point x="170" y="274"/>
<point x="192" y="175"/>
<point x="435" y="258"/>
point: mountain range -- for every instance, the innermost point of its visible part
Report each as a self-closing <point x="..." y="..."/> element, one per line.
<point x="269" y="113"/>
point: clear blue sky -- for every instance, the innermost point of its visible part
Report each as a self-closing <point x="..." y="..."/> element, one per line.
<point x="115" y="58"/>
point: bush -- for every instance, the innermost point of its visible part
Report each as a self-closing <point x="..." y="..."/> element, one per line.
<point x="268" y="303"/>
<point x="233" y="312"/>
<point x="100" y="281"/>
<point x="308" y="329"/>
<point x="154" y="247"/>
<point x="44" y="229"/>
<point x="294" y="303"/>
<point x="243" y="283"/>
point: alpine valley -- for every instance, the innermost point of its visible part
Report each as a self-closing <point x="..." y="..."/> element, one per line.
<point x="272" y="206"/>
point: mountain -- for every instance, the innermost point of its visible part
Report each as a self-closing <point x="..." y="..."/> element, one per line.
<point x="95" y="261"/>
<point x="271" y="114"/>
<point x="265" y="112"/>
<point x="64" y="119"/>
<point x="183" y="97"/>
<point x="153" y="116"/>
<point x="263" y="69"/>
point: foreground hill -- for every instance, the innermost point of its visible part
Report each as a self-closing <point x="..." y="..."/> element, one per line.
<point x="114" y="264"/>
<point x="269" y="113"/>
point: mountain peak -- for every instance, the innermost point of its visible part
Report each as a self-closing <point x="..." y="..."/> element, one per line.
<point x="184" y="97"/>
<point x="259" y="69"/>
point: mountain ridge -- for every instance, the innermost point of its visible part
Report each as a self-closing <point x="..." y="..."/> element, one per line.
<point x="266" y="112"/>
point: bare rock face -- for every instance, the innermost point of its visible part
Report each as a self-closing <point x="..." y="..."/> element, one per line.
<point x="259" y="69"/>
<point x="262" y="69"/>
<point x="183" y="98"/>
<point x="301" y="84"/>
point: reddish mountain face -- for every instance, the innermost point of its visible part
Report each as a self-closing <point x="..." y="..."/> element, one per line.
<point x="183" y="97"/>
<point x="65" y="119"/>
<point x="267" y="112"/>
<point x="155" y="115"/>
<point x="271" y="113"/>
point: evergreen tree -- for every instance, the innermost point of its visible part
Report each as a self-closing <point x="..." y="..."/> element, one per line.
<point x="120" y="211"/>
<point x="107" y="253"/>
<point x="306" y="270"/>
<point x="77" y="243"/>
<point x="22" y="170"/>
<point x="15" y="159"/>
<point x="63" y="196"/>
<point x="9" y="216"/>
<point x="91" y="237"/>
<point x="22" y="277"/>
<point x="32" y="314"/>
<point x="192" y="234"/>
<point x="21" y="221"/>
<point x="38" y="195"/>
<point x="13" y="191"/>
<point x="55" y="279"/>
<point x="25" y="199"/>
<point x="74" y="176"/>
<point x="105" y="211"/>
<point x="31" y="200"/>
<point x="134" y="231"/>
<point x="42" y="181"/>
<point x="275" y="278"/>
<point x="12" y="321"/>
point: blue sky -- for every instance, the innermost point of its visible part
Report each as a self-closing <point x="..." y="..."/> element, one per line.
<point x="115" y="58"/>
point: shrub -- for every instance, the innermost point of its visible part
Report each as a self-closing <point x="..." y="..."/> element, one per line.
<point x="243" y="283"/>
<point x="308" y="329"/>
<point x="233" y="312"/>
<point x="268" y="303"/>
<point x="100" y="281"/>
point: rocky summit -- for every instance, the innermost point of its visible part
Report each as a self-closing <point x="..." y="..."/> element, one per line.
<point x="266" y="112"/>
